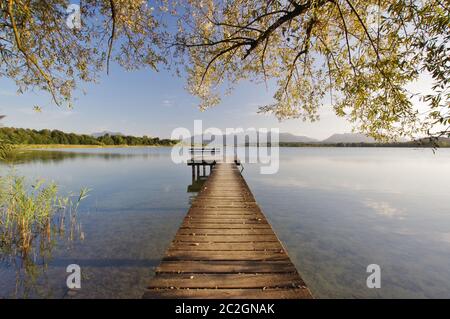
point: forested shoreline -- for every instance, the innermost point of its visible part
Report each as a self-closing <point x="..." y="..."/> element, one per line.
<point x="425" y="143"/>
<point x="21" y="136"/>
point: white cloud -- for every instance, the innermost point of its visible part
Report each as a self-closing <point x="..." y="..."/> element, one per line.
<point x="168" y="102"/>
<point x="385" y="209"/>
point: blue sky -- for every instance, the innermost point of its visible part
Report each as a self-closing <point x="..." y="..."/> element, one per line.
<point x="151" y="103"/>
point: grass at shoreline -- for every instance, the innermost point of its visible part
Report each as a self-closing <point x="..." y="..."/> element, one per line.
<point x="51" y="146"/>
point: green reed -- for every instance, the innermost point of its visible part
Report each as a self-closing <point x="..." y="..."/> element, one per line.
<point x="7" y="152"/>
<point x="32" y="219"/>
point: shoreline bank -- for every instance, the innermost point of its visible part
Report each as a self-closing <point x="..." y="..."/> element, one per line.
<point x="56" y="146"/>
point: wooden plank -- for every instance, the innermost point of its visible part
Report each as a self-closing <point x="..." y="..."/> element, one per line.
<point x="199" y="246"/>
<point x="196" y="226"/>
<point x="224" y="214"/>
<point x="232" y="266"/>
<point x="226" y="238"/>
<point x="208" y="220"/>
<point x="207" y="199"/>
<point x="225" y="255"/>
<point x="280" y="293"/>
<point x="218" y="194"/>
<point x="212" y="232"/>
<point x="230" y="220"/>
<point x="225" y="281"/>
<point x="225" y="221"/>
<point x="219" y="218"/>
<point x="230" y="210"/>
<point x="223" y="204"/>
<point x="211" y="195"/>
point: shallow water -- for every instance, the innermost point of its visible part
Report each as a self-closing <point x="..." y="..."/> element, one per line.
<point x="337" y="210"/>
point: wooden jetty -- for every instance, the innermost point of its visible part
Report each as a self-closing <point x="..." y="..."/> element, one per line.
<point x="225" y="248"/>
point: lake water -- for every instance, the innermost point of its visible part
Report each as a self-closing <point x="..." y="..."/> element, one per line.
<point x="337" y="210"/>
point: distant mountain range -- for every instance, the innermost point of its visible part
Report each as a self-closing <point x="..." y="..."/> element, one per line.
<point x="348" y="138"/>
<point x="291" y="138"/>
<point x="99" y="134"/>
<point x="283" y="137"/>
<point x="333" y="139"/>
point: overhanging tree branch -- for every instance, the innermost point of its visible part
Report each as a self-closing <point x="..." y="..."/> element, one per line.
<point x="300" y="9"/>
<point x="29" y="57"/>
<point x="304" y="51"/>
<point x="113" y="33"/>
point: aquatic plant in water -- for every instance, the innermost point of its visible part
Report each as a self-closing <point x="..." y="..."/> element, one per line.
<point x="7" y="151"/>
<point x="32" y="219"/>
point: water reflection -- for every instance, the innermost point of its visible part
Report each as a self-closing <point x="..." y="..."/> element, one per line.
<point x="336" y="210"/>
<point x="339" y="210"/>
<point x="196" y="185"/>
<point x="56" y="156"/>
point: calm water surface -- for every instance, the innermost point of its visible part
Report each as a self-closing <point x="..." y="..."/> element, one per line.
<point x="337" y="210"/>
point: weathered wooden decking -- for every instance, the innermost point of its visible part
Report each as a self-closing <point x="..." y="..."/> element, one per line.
<point x="225" y="248"/>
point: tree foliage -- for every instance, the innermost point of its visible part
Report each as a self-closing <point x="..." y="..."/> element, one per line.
<point x="360" y="53"/>
<point x="13" y="136"/>
<point x="38" y="49"/>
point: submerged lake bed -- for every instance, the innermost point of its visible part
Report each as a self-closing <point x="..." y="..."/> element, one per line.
<point x="337" y="210"/>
